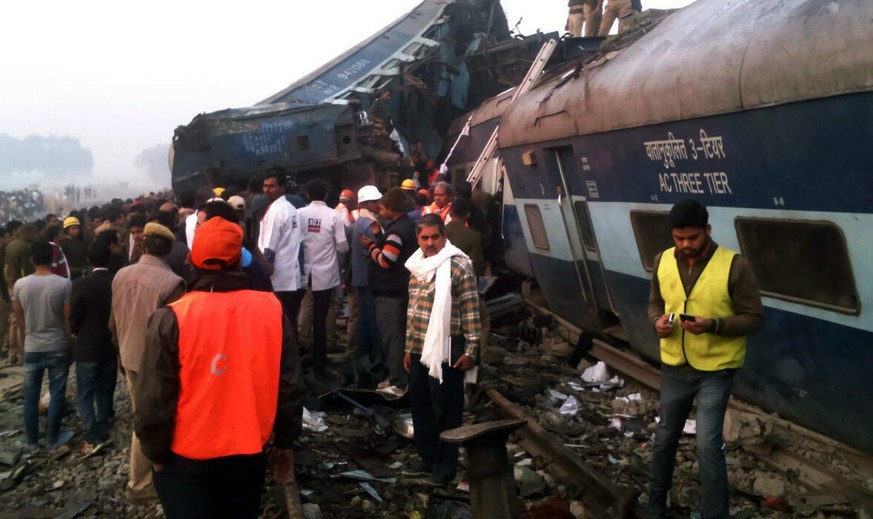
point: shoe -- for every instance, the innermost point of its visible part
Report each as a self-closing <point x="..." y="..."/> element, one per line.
<point x="31" y="449"/>
<point x="141" y="496"/>
<point x="385" y="383"/>
<point x="62" y="439"/>
<point x="421" y="469"/>
<point x="436" y="482"/>
<point x="90" y="449"/>
<point x="392" y="392"/>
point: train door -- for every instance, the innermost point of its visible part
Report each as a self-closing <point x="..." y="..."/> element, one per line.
<point x="557" y="170"/>
<point x="578" y="217"/>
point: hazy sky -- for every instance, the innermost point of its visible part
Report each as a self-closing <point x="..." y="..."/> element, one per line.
<point x="120" y="76"/>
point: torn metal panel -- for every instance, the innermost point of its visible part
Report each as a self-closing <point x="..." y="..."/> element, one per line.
<point x="230" y="146"/>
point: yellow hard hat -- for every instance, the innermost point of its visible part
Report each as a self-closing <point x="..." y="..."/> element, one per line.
<point x="71" y="221"/>
<point x="218" y="191"/>
<point x="408" y="185"/>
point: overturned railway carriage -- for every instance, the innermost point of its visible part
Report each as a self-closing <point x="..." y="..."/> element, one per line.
<point x="762" y="110"/>
<point x="229" y="147"/>
<point x="440" y="59"/>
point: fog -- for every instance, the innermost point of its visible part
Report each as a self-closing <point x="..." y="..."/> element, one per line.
<point x="103" y="84"/>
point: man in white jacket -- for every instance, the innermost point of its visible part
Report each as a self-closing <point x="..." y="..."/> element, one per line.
<point x="324" y="237"/>
<point x="279" y="241"/>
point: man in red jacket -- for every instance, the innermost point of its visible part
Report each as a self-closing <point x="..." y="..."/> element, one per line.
<point x="220" y="376"/>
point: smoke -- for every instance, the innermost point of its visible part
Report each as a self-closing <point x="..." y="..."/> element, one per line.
<point x="153" y="161"/>
<point x="56" y="158"/>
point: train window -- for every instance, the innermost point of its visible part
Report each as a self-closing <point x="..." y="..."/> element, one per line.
<point x="433" y="32"/>
<point x="413" y="48"/>
<point x="804" y="262"/>
<point x="653" y="234"/>
<point x="368" y="82"/>
<point x="537" y="226"/>
<point x="584" y="218"/>
<point x="391" y="64"/>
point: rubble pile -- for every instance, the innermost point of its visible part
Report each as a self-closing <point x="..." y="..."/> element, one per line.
<point x="355" y="444"/>
<point x="62" y="481"/>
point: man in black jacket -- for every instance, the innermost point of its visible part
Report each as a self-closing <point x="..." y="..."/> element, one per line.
<point x="220" y="375"/>
<point x="95" y="356"/>
<point x="389" y="282"/>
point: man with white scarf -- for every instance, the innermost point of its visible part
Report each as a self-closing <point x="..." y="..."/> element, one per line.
<point x="442" y="343"/>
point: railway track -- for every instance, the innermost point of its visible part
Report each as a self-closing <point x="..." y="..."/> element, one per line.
<point x="825" y="485"/>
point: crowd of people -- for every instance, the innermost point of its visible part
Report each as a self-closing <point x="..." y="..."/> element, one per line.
<point x="169" y="296"/>
<point x="207" y="312"/>
<point x="23" y="204"/>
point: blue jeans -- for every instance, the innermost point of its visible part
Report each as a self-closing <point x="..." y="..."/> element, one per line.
<point x="58" y="365"/>
<point x="95" y="384"/>
<point x="679" y="386"/>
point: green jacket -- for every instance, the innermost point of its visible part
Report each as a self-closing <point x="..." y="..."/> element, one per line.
<point x="18" y="262"/>
<point x="469" y="241"/>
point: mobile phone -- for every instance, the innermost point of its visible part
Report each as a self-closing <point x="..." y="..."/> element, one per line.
<point x="686" y="317"/>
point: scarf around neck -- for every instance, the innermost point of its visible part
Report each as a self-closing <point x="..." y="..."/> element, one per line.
<point x="438" y="270"/>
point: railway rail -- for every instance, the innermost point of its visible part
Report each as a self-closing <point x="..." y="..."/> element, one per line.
<point x="825" y="485"/>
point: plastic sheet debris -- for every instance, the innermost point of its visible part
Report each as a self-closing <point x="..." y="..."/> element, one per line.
<point x="557" y="395"/>
<point x="333" y="464"/>
<point x="570" y="407"/>
<point x="314" y="420"/>
<point x="630" y="426"/>
<point x="597" y="377"/>
<point x="689" y="428"/>
<point x="596" y="373"/>
<point x="363" y="475"/>
<point x="575" y="387"/>
<point x="463" y="486"/>
<point x="370" y="490"/>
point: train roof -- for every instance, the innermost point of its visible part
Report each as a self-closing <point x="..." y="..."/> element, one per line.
<point x="371" y="56"/>
<point x="490" y="109"/>
<point x="712" y="57"/>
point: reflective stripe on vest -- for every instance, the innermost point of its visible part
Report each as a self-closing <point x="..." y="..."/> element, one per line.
<point x="230" y="346"/>
<point x="709" y="298"/>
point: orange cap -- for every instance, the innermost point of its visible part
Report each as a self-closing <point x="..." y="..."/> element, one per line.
<point x="217" y="244"/>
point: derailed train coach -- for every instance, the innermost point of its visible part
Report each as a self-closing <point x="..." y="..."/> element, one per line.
<point x="761" y="109"/>
<point x="440" y="59"/>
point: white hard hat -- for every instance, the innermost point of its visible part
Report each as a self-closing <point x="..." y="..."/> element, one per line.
<point x="369" y="194"/>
